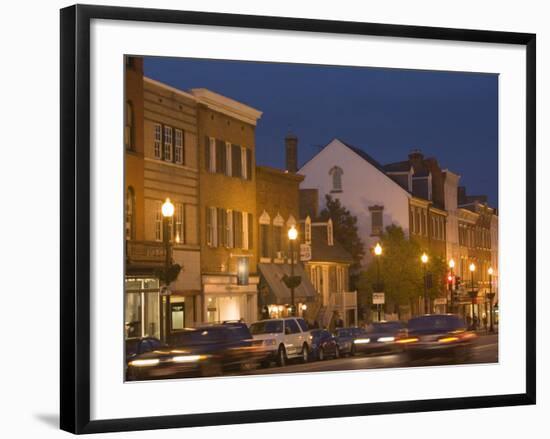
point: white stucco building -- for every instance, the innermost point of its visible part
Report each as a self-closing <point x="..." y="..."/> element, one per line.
<point x="350" y="175"/>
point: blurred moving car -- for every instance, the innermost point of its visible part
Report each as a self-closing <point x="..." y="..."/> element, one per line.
<point x="140" y="345"/>
<point x="283" y="339"/>
<point x="381" y="336"/>
<point x="437" y="335"/>
<point x="323" y="345"/>
<point x="346" y="340"/>
<point x="203" y="351"/>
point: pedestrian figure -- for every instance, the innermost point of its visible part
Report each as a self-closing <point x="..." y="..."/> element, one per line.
<point x="469" y="322"/>
<point x="485" y="321"/>
<point x="476" y="322"/>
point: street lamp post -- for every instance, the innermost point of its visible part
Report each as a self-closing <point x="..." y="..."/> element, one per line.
<point x="292" y="235"/>
<point x="167" y="214"/>
<point x="491" y="296"/>
<point x="451" y="267"/>
<point x="424" y="260"/>
<point x="473" y="292"/>
<point x="378" y="253"/>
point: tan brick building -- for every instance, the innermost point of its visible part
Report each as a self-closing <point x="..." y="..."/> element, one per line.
<point x="161" y="162"/>
<point x="278" y="207"/>
<point x="227" y="210"/>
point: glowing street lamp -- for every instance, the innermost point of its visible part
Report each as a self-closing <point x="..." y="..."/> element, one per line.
<point x="473" y="292"/>
<point x="378" y="253"/>
<point x="424" y="260"/>
<point x="292" y="235"/>
<point x="167" y="210"/>
<point x="491" y="296"/>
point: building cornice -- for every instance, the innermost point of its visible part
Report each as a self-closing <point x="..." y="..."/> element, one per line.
<point x="227" y="106"/>
<point x="169" y="88"/>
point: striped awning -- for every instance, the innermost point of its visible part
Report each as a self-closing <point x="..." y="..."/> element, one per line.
<point x="279" y="293"/>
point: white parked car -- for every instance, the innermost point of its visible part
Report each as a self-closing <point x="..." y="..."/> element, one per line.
<point x="284" y="338"/>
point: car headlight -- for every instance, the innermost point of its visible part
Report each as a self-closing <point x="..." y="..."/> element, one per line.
<point x="188" y="358"/>
<point x="270" y="342"/>
<point x="385" y="339"/>
<point x="144" y="362"/>
<point x="361" y="340"/>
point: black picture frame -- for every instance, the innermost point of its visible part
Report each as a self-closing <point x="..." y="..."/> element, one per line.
<point x="75" y="217"/>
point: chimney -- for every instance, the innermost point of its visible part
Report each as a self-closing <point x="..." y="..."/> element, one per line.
<point x="291" y="144"/>
<point x="416" y="159"/>
<point x="461" y="195"/>
<point x="309" y="203"/>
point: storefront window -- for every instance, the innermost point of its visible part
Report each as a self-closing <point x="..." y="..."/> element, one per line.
<point x="142" y="307"/>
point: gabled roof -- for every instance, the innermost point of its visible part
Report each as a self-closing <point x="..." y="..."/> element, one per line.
<point x="364" y="156"/>
<point x="404" y="166"/>
<point x="321" y="251"/>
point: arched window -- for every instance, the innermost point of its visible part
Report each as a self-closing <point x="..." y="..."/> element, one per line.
<point x="130" y="213"/>
<point x="336" y="173"/>
<point x="129" y="126"/>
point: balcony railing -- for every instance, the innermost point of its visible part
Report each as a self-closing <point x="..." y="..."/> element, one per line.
<point x="343" y="300"/>
<point x="145" y="253"/>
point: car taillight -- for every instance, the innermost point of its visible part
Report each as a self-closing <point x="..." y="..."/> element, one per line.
<point x="406" y="340"/>
<point x="448" y="339"/>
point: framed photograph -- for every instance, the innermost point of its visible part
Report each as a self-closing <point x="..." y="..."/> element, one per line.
<point x="273" y="218"/>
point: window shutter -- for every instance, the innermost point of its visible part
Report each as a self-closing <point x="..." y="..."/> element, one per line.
<point x="207" y="153"/>
<point x="250" y="232"/>
<point x="222" y="224"/>
<point x="209" y="234"/>
<point x="236" y="161"/>
<point x="249" y="164"/>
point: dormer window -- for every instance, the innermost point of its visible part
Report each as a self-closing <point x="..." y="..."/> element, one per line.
<point x="336" y="173"/>
<point x="330" y="233"/>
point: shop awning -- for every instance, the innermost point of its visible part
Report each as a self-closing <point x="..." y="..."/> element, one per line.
<point x="279" y="293"/>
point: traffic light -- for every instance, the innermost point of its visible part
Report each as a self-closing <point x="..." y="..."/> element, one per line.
<point x="450" y="278"/>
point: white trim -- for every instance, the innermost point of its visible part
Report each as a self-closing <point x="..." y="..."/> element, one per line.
<point x="264" y="218"/>
<point x="226" y="105"/>
<point x="243" y="163"/>
<point x="278" y="220"/>
<point x="212" y="154"/>
<point x="157" y="142"/>
<point x="178" y="148"/>
<point x="169" y="88"/>
<point x="291" y="221"/>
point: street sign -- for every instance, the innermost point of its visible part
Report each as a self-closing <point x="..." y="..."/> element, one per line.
<point x="378" y="298"/>
<point x="440" y="301"/>
<point x="305" y="252"/>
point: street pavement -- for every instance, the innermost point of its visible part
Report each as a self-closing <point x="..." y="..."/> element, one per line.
<point x="484" y="350"/>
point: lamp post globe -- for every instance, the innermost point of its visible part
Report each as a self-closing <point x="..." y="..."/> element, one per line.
<point x="167" y="209"/>
<point x="424" y="260"/>
<point x="292" y="236"/>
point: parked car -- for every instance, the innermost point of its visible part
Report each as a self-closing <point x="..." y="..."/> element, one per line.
<point x="382" y="336"/>
<point x="283" y="339"/>
<point x="203" y="351"/>
<point x="437" y="335"/>
<point x="323" y="345"/>
<point x="345" y="339"/>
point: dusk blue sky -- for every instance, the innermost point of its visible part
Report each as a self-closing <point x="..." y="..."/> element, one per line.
<point x="385" y="112"/>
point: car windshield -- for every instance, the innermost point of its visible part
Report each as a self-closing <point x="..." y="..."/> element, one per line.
<point x="205" y="335"/>
<point x="267" y="327"/>
<point x="384" y="327"/>
<point x="437" y="322"/>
